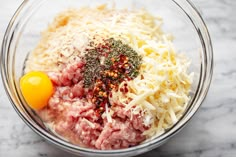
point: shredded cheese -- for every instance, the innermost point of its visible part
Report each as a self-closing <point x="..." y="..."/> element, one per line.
<point x="108" y="115"/>
<point x="89" y="123"/>
<point x="162" y="87"/>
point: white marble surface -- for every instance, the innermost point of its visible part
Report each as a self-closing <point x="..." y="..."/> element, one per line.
<point x="211" y="133"/>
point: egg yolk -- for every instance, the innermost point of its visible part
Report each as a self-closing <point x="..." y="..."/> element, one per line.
<point x="37" y="89"/>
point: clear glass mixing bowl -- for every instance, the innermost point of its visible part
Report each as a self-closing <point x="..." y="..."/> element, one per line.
<point x="181" y="19"/>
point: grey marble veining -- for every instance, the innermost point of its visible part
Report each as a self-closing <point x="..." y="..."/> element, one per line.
<point x="211" y="132"/>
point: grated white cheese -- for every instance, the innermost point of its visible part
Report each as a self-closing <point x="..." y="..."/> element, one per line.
<point x="88" y="122"/>
<point x="161" y="89"/>
<point x="108" y="114"/>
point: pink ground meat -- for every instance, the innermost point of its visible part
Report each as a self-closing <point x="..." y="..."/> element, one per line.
<point x="74" y="117"/>
<point x="118" y="134"/>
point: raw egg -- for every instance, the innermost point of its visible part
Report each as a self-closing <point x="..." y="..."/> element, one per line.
<point x="37" y="89"/>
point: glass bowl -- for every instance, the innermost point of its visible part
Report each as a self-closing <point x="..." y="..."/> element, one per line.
<point x="181" y="19"/>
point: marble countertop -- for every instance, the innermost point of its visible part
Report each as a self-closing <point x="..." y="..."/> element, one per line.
<point x="211" y="132"/>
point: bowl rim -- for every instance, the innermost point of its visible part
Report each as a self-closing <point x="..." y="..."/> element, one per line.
<point x="206" y="77"/>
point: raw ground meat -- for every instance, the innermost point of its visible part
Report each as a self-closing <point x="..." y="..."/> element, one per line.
<point x="118" y="134"/>
<point x="74" y="117"/>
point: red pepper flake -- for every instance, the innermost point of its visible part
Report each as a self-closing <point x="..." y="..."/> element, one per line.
<point x="126" y="90"/>
<point x="110" y="95"/>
